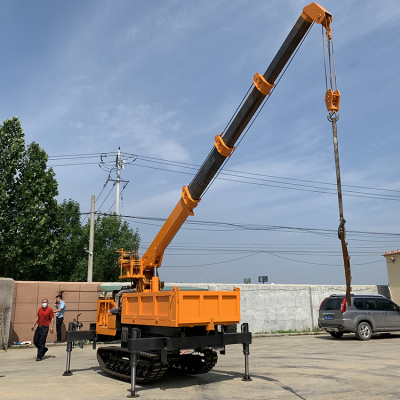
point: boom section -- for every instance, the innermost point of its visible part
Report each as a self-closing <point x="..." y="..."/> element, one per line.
<point x="224" y="145"/>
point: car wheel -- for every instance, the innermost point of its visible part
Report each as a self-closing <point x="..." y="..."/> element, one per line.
<point x="336" y="335"/>
<point x="364" y="331"/>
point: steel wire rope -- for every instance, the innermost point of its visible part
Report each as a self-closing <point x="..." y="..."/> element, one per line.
<point x="323" y="51"/>
<point x="237" y="109"/>
<point x="262" y="106"/>
<point x="209" y="154"/>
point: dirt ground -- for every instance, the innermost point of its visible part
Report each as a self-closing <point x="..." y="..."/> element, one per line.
<point x="282" y="367"/>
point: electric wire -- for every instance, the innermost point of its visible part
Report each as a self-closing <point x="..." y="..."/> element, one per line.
<point x="261" y="177"/>
<point x="106" y="198"/>
<point x="97" y="198"/>
<point x="120" y="193"/>
<point x="297" y="186"/>
<point x="254" y="254"/>
<point x="233" y="226"/>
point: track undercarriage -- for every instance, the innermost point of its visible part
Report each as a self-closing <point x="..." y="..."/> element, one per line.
<point x="116" y="362"/>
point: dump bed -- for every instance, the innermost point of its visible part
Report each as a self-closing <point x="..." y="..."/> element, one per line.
<point x="181" y="308"/>
<point x="173" y="308"/>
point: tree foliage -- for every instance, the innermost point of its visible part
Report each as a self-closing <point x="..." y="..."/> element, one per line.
<point x="110" y="235"/>
<point x="69" y="249"/>
<point x="28" y="209"/>
<point x="39" y="238"/>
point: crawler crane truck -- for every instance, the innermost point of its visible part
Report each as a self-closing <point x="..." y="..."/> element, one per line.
<point x="177" y="329"/>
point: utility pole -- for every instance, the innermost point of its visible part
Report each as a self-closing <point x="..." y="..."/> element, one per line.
<point x="118" y="164"/>
<point x="91" y="241"/>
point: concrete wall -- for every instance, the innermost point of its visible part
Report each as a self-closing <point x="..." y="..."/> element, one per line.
<point x="6" y="298"/>
<point x="393" y="268"/>
<point x="270" y="308"/>
<point x="79" y="298"/>
<point x="267" y="308"/>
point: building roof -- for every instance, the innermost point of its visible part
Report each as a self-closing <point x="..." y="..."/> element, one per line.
<point x="391" y="253"/>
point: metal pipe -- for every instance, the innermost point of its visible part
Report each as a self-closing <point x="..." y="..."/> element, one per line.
<point x="133" y="393"/>
<point x="67" y="371"/>
<point x="246" y="352"/>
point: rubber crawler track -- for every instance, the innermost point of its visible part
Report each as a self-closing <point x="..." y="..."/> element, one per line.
<point x="195" y="363"/>
<point x="149" y="367"/>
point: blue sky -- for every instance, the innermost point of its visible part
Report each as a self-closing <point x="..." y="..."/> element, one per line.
<point x="160" y="79"/>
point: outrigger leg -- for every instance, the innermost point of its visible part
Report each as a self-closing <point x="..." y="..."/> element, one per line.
<point x="74" y="336"/>
<point x="134" y="354"/>
<point x="67" y="371"/>
<point x="246" y="352"/>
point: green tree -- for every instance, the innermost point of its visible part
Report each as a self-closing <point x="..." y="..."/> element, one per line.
<point x="69" y="248"/>
<point x="110" y="234"/>
<point x="28" y="209"/>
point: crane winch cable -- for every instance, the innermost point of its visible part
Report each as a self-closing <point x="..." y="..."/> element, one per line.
<point x="261" y="107"/>
<point x="332" y="100"/>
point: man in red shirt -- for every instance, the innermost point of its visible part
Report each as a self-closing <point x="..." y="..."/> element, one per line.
<point x="44" y="317"/>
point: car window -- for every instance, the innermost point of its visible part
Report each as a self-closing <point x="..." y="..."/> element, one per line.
<point x="332" y="303"/>
<point x="370" y="304"/>
<point x="359" y="304"/>
<point x="386" y="305"/>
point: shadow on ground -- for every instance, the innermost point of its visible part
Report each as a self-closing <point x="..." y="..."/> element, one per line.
<point x="352" y="337"/>
<point x="95" y="368"/>
<point x="174" y="380"/>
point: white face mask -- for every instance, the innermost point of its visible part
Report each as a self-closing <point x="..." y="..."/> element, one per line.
<point x="44" y="304"/>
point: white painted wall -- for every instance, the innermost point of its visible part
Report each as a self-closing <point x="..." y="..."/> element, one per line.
<point x="269" y="308"/>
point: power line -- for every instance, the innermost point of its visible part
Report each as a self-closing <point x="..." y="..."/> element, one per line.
<point x="261" y="177"/>
<point x="251" y="255"/>
<point x="284" y="185"/>
<point x="233" y="226"/>
<point x="293" y="186"/>
<point x="106" y="198"/>
<point x="120" y="193"/>
<point x="97" y="198"/>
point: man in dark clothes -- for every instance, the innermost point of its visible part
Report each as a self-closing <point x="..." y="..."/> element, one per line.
<point x="60" y="305"/>
<point x="44" y="317"/>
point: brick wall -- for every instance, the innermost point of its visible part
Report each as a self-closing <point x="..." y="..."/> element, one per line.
<point x="79" y="298"/>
